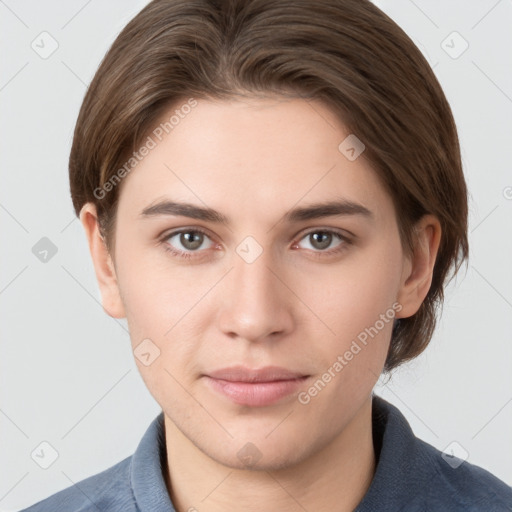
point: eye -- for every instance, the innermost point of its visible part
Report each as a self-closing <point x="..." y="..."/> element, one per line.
<point x="186" y="241"/>
<point x="321" y="239"/>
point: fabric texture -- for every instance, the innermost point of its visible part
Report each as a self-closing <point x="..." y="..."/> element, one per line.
<point x="411" y="476"/>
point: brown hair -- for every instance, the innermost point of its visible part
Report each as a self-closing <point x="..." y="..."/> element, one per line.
<point x="347" y="53"/>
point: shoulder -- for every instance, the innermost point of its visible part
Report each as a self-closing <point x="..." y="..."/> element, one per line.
<point x="108" y="490"/>
<point x="460" y="484"/>
<point x="133" y="484"/>
<point x="413" y="476"/>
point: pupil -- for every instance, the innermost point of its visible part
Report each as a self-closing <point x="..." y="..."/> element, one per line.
<point x="325" y="243"/>
<point x="194" y="244"/>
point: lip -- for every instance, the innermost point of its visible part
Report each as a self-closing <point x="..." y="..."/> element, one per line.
<point x="255" y="387"/>
<point x="244" y="374"/>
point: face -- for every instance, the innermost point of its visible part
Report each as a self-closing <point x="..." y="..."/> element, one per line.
<point x="255" y="285"/>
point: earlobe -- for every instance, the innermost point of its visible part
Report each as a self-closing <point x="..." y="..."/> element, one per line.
<point x="103" y="264"/>
<point x="418" y="270"/>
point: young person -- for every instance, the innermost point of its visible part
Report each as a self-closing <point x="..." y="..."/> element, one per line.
<point x="273" y="196"/>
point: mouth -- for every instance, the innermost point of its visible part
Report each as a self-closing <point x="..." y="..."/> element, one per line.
<point x="255" y="387"/>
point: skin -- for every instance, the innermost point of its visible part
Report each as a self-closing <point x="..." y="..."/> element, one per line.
<point x="294" y="306"/>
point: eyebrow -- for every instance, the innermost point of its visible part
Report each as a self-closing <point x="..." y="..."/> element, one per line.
<point x="313" y="211"/>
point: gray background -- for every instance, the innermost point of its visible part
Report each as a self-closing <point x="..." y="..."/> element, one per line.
<point x="67" y="373"/>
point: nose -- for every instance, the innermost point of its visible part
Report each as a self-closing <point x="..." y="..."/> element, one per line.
<point x="255" y="303"/>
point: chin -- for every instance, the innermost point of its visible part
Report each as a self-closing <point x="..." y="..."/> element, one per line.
<point x="242" y="454"/>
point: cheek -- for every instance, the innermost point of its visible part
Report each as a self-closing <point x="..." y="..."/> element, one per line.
<point x="160" y="301"/>
<point x="356" y="303"/>
<point x="153" y="292"/>
<point x="157" y="318"/>
<point x="352" y="294"/>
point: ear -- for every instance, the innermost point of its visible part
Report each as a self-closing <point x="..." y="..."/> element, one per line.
<point x="418" y="269"/>
<point x="103" y="264"/>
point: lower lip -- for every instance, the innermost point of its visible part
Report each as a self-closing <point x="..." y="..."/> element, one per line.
<point x="256" y="394"/>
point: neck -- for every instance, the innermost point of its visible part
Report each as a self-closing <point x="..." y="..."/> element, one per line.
<point x="334" y="478"/>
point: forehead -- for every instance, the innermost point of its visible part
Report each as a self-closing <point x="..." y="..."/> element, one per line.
<point x="256" y="155"/>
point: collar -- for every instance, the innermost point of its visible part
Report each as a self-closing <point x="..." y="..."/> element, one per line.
<point x="395" y="448"/>
<point x="147" y="470"/>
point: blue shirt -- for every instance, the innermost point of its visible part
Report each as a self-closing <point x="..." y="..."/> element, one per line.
<point x="411" y="476"/>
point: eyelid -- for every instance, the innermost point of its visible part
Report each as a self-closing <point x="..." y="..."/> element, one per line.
<point x="338" y="231"/>
<point x="176" y="231"/>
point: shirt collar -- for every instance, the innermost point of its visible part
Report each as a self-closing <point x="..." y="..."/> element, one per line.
<point x="147" y="470"/>
<point x="395" y="448"/>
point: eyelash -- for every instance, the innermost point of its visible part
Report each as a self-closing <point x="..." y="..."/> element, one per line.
<point x="187" y="255"/>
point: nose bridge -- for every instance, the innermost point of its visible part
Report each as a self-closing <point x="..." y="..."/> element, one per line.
<point x="252" y="273"/>
<point x="255" y="306"/>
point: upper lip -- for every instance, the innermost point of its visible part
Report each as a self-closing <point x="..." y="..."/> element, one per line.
<point x="245" y="374"/>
